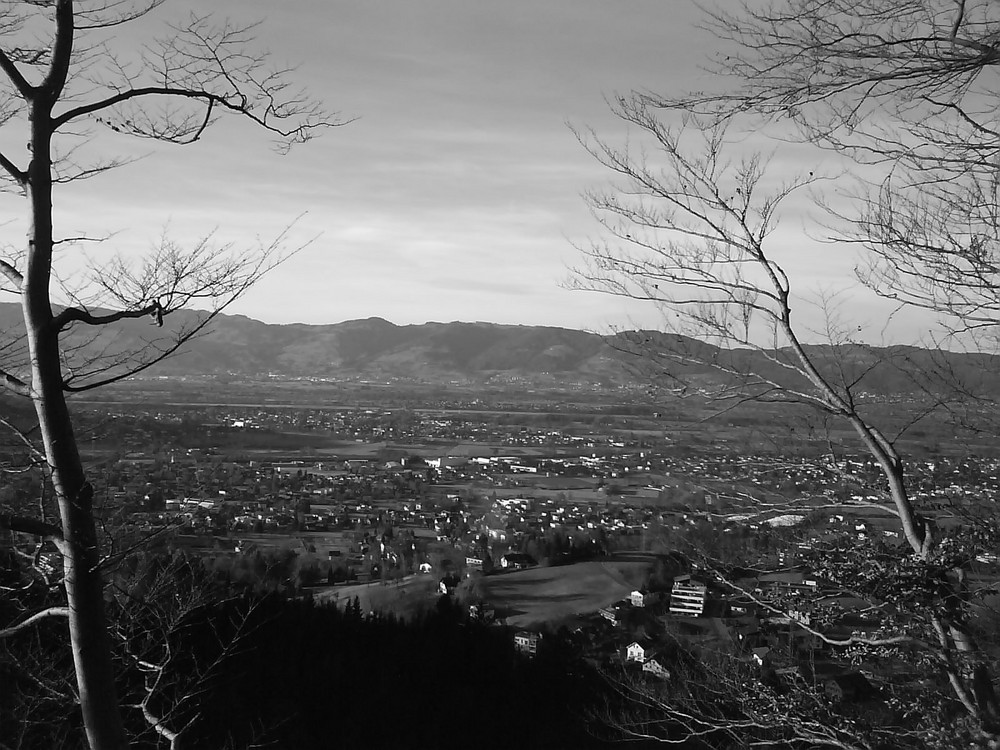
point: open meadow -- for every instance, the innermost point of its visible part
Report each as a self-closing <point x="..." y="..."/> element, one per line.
<point x="408" y="598"/>
<point x="540" y="597"/>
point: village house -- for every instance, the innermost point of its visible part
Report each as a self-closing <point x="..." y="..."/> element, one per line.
<point x="640" y="650"/>
<point x="613" y="613"/>
<point x="641" y="598"/>
<point x="654" y="666"/>
<point x="516" y="561"/>
<point x="526" y="642"/>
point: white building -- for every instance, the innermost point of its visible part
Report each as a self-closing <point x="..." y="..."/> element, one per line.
<point x="639" y="651"/>
<point x="687" y="598"/>
<point x="526" y="642"/>
<point x="643" y="598"/>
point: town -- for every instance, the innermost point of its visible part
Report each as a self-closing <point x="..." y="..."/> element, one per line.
<point x="611" y="533"/>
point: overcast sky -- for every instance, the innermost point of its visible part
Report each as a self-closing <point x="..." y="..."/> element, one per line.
<point x="455" y="192"/>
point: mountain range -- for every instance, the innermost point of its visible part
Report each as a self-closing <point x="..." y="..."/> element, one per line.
<point x="374" y="348"/>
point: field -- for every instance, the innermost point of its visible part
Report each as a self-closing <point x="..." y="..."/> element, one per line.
<point x="409" y="598"/>
<point x="554" y="596"/>
<point x="534" y="598"/>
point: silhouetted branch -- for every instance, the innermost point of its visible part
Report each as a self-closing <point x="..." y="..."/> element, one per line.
<point x="33" y="620"/>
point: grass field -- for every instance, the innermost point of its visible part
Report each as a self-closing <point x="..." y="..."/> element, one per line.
<point x="554" y="596"/>
<point x="410" y="597"/>
<point x="534" y="598"/>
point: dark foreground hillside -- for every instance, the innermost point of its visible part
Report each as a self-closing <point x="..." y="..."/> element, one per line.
<point x="317" y="678"/>
<point x="270" y="671"/>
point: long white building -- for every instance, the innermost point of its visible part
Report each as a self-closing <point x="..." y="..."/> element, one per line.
<point x="688" y="598"/>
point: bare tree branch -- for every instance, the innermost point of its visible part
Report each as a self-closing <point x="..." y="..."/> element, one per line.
<point x="12" y="274"/>
<point x="76" y="315"/>
<point x="19" y="175"/>
<point x="30" y="526"/>
<point x="33" y="620"/>
<point x="14" y="384"/>
<point x="25" y="89"/>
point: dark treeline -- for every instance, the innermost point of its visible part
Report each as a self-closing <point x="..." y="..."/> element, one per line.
<point x="273" y="670"/>
<point x="318" y="678"/>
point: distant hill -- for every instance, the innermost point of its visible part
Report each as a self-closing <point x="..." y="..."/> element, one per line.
<point x="374" y="347"/>
<point x="361" y="348"/>
<point x="480" y="352"/>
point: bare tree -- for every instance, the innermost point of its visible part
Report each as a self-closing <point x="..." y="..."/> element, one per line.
<point x="64" y="75"/>
<point x="162" y="606"/>
<point x="690" y="225"/>
<point x="906" y="88"/>
<point x="718" y="702"/>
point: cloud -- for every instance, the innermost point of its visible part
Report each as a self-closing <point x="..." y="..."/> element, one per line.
<point x="454" y="192"/>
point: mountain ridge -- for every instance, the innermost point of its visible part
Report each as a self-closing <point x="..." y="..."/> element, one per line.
<point x="482" y="351"/>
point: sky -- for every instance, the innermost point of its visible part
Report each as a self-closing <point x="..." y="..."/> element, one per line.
<point x="455" y="190"/>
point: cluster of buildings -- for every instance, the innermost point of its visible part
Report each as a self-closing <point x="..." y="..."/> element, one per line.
<point x="450" y="421"/>
<point x="628" y="498"/>
<point x="709" y="618"/>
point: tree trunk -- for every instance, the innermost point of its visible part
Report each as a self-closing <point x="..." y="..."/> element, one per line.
<point x="81" y="555"/>
<point x="979" y="697"/>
